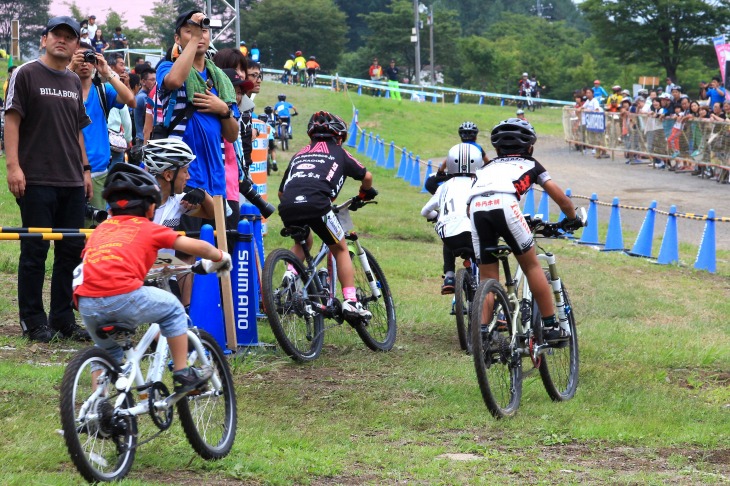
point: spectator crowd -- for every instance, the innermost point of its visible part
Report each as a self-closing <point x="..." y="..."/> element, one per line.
<point x="662" y="127"/>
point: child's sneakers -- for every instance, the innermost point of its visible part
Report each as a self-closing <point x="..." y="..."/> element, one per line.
<point x="189" y="379"/>
<point x="555" y="336"/>
<point x="448" y="286"/>
<point x="354" y="311"/>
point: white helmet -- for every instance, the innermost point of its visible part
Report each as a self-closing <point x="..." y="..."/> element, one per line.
<point x="167" y="153"/>
<point x="464" y="158"/>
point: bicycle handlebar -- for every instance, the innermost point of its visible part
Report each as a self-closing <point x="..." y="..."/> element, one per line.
<point x="353" y="204"/>
<point x="551" y="230"/>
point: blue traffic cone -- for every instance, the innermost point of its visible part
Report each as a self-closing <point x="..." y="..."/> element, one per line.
<point x="361" y="146"/>
<point x="615" y="237"/>
<point x="371" y="146"/>
<point x="403" y="166"/>
<point x="206" y="310"/>
<point x="359" y="89"/>
<point x="391" y="156"/>
<point x="381" y="153"/>
<point x="435" y="98"/>
<point x="544" y="207"/>
<point x="568" y="193"/>
<point x="416" y="172"/>
<point x="706" y="259"/>
<point x="352" y="137"/>
<point x="409" y="168"/>
<point x="456" y="99"/>
<point x="644" y="240"/>
<point x="528" y="207"/>
<point x="481" y="100"/>
<point x="590" y="232"/>
<point x="669" y="251"/>
<point x="387" y="93"/>
<point x="376" y="149"/>
<point x="429" y="171"/>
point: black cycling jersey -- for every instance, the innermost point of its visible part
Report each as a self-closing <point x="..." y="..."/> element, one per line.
<point x="315" y="177"/>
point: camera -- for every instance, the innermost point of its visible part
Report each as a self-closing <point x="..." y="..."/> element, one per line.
<point x="246" y="188"/>
<point x="204" y="24"/>
<point x="90" y="56"/>
<point x="95" y="214"/>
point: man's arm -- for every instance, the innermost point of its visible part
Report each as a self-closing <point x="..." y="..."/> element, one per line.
<point x="124" y="94"/>
<point x="16" y="177"/>
<point x="88" y="186"/>
<point x="181" y="68"/>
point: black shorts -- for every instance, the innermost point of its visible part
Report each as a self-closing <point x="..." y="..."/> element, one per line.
<point x="501" y="217"/>
<point x="327" y="227"/>
<point x="460" y="244"/>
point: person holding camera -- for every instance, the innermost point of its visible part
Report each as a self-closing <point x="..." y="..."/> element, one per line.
<point x="102" y="90"/>
<point x="49" y="175"/>
<point x="202" y="101"/>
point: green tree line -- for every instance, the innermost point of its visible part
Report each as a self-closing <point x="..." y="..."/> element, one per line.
<point x="477" y="44"/>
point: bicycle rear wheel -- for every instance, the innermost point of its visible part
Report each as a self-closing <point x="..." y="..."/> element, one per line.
<point x="463" y="294"/>
<point x="209" y="418"/>
<point x="379" y="332"/>
<point x="101" y="443"/>
<point x="498" y="366"/>
<point x="559" y="366"/>
<point x="285" y="139"/>
<point x="298" y="333"/>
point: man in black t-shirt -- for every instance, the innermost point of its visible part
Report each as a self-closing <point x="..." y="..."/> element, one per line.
<point x="311" y="183"/>
<point x="392" y="74"/>
<point x="49" y="175"/>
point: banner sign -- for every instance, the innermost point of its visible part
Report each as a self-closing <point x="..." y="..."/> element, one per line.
<point x="595" y="121"/>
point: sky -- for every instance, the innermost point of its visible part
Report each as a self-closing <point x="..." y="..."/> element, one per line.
<point x="131" y="10"/>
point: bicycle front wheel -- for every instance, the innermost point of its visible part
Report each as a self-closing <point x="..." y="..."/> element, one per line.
<point x="209" y="418"/>
<point x="559" y="366"/>
<point x="102" y="443"/>
<point x="463" y="294"/>
<point x="380" y="331"/>
<point x="299" y="333"/>
<point x="498" y="365"/>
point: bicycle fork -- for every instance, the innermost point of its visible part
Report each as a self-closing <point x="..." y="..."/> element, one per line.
<point x="557" y="285"/>
<point x="356" y="248"/>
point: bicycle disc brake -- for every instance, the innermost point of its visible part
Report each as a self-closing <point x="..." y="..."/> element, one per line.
<point x="161" y="417"/>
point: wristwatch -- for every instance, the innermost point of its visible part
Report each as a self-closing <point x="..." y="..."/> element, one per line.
<point x="227" y="115"/>
<point x="87" y="168"/>
<point x="111" y="76"/>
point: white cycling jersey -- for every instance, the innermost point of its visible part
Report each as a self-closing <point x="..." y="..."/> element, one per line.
<point x="509" y="175"/>
<point x="450" y="199"/>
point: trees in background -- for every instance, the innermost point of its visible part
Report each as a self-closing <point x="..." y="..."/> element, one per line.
<point x="33" y="16"/>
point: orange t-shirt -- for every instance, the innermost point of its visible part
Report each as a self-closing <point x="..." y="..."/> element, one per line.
<point x="119" y="253"/>
<point x="312" y="65"/>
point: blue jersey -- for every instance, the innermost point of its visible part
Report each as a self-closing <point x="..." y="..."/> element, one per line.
<point x="96" y="135"/>
<point x="282" y="109"/>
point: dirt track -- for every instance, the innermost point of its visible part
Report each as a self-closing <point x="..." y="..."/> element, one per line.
<point x="637" y="185"/>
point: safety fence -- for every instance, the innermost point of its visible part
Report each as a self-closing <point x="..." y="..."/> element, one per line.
<point x="699" y="146"/>
<point x="414" y="170"/>
<point x="434" y="94"/>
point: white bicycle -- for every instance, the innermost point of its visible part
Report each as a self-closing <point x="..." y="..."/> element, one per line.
<point x="101" y="401"/>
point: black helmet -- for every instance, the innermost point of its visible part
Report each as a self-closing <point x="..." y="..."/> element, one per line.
<point x="513" y="136"/>
<point x="312" y="58"/>
<point x="325" y="125"/>
<point x="268" y="110"/>
<point x="468" y="131"/>
<point x="282" y="97"/>
<point x="131" y="185"/>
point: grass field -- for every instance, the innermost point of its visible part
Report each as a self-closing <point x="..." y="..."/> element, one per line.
<point x="652" y="407"/>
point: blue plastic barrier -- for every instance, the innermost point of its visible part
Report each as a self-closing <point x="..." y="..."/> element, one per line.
<point x="206" y="310"/>
<point x="669" y="251"/>
<point x="590" y="232"/>
<point x="390" y="164"/>
<point x="544" y="207"/>
<point x="244" y="278"/>
<point x="403" y="166"/>
<point x="352" y="137"/>
<point x="706" y="259"/>
<point x="615" y="236"/>
<point x="429" y="171"/>
<point x="361" y="145"/>
<point x="416" y="172"/>
<point x="645" y="238"/>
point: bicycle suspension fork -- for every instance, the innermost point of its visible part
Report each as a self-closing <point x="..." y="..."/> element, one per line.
<point x="557" y="285"/>
<point x="354" y="246"/>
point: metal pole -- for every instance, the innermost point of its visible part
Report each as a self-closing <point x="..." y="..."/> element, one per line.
<point x="237" y="6"/>
<point x="418" y="44"/>
<point x="430" y="34"/>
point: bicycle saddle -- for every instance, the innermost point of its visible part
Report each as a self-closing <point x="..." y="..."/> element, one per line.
<point x="498" y="251"/>
<point x="113" y="328"/>
<point x="298" y="233"/>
